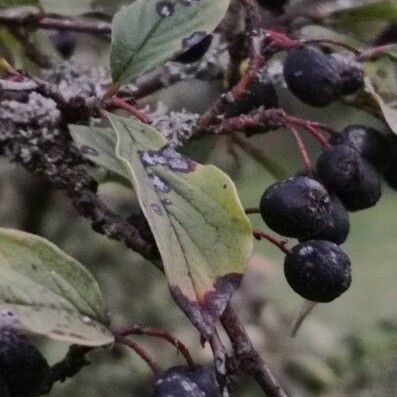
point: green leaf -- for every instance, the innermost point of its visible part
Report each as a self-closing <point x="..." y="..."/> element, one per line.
<point x="46" y="292"/>
<point x="143" y="36"/>
<point x="389" y="112"/>
<point x="69" y="7"/>
<point x="317" y="32"/>
<point x="379" y="10"/>
<point x="97" y="145"/>
<point x="16" y="3"/>
<point x="200" y="227"/>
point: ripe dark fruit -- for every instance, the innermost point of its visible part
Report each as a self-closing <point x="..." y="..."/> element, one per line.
<point x="368" y="142"/>
<point x="276" y="6"/>
<point x="64" y="42"/>
<point x="195" y="52"/>
<point x="351" y="74"/>
<point x="312" y="76"/>
<point x="318" y="270"/>
<point x="337" y="227"/>
<point x="204" y="378"/>
<point x="185" y="382"/>
<point x="355" y="181"/>
<point x="390" y="174"/>
<point x="22" y="366"/>
<point x="261" y="93"/>
<point x="297" y="207"/>
<point x="3" y="388"/>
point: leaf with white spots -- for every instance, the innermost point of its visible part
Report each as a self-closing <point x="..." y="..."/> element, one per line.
<point x="43" y="291"/>
<point x="200" y="227"/>
<point x="149" y="32"/>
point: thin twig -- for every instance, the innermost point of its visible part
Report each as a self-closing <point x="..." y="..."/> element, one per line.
<point x="36" y="20"/>
<point x="259" y="235"/>
<point x="252" y="210"/>
<point x="251" y="362"/>
<point x="131" y="109"/>
<point x="307" y="308"/>
<point x="158" y="333"/>
<point x="302" y="150"/>
<point x="141" y="353"/>
<point x="220" y="361"/>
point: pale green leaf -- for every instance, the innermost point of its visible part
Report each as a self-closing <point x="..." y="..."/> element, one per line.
<point x="378" y="10"/>
<point x="16" y="3"/>
<point x="142" y="38"/>
<point x="47" y="292"/>
<point x="389" y="112"/>
<point x="97" y="144"/>
<point x="200" y="227"/>
<point x="69" y="7"/>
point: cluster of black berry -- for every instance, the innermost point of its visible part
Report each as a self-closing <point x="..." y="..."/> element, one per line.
<point x="183" y="381"/>
<point x="23" y="370"/>
<point x="314" y="208"/>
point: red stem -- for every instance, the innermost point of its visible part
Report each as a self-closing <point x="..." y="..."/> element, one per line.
<point x="259" y="235"/>
<point x="141" y="353"/>
<point x="123" y="104"/>
<point x="158" y="333"/>
<point x="302" y="150"/>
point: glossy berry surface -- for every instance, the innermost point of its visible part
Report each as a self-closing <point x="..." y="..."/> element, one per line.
<point x="297" y="207"/>
<point x="355" y="181"/>
<point x="318" y="270"/>
<point x="185" y="382"/>
<point x="311" y="76"/>
<point x="261" y="93"/>
<point x="351" y="73"/>
<point x="64" y="42"/>
<point x="3" y="388"/>
<point x="273" y="5"/>
<point x="337" y="227"/>
<point x="22" y="366"/>
<point x="196" y="51"/>
<point x="368" y="142"/>
<point x="390" y="174"/>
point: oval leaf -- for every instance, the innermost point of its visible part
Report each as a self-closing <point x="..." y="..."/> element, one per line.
<point x="44" y="291"/>
<point x="389" y="113"/>
<point x="148" y="32"/>
<point x="200" y="227"/>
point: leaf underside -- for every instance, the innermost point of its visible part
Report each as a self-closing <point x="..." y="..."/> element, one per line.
<point x="46" y="292"/>
<point x="194" y="212"/>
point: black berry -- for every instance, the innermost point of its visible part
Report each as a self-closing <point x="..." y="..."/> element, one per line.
<point x="337" y="227"/>
<point x="318" y="270"/>
<point x="344" y="172"/>
<point x="4" y="388"/>
<point x="368" y="142"/>
<point x="196" y="51"/>
<point x="390" y="174"/>
<point x="261" y="93"/>
<point x="276" y="6"/>
<point x="186" y="382"/>
<point x="22" y="366"/>
<point x="64" y="42"/>
<point x="312" y="76"/>
<point x="351" y="73"/>
<point x="297" y="207"/>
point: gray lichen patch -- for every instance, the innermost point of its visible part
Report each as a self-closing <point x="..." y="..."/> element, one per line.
<point x="169" y="158"/>
<point x="177" y="127"/>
